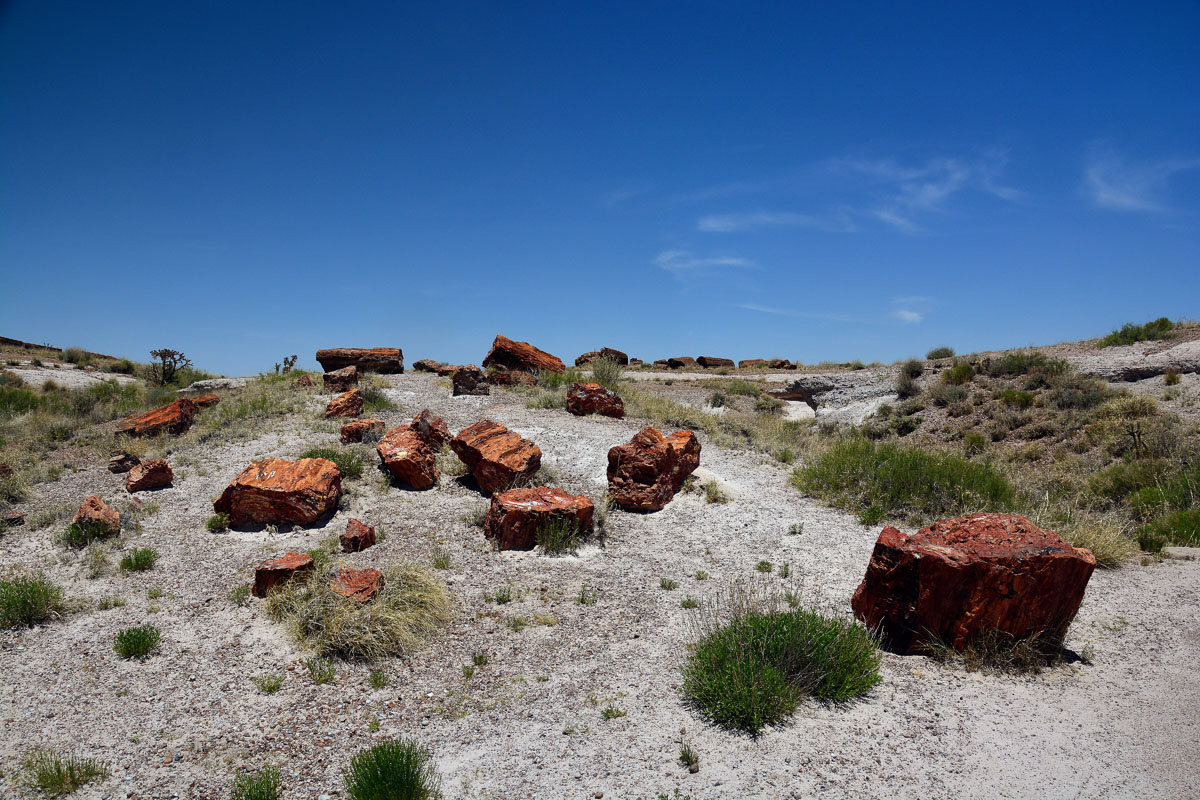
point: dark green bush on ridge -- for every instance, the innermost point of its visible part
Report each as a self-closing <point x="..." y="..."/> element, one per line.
<point x="940" y="352"/>
<point x="1129" y="333"/>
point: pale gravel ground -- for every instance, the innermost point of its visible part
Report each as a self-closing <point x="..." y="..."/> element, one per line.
<point x="1124" y="727"/>
<point x="66" y="375"/>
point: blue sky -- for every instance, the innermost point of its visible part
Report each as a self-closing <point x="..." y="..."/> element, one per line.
<point x="243" y="181"/>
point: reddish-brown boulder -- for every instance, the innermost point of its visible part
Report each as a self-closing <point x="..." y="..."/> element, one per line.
<point x="603" y="352"/>
<point x="206" y="400"/>
<point x="681" y="362"/>
<point x="5" y="470"/>
<point x="153" y="474"/>
<point x="174" y="417"/>
<point x="431" y="429"/>
<point x="427" y="365"/>
<point x="469" y="380"/>
<point x="357" y="537"/>
<point x="279" y="571"/>
<point x="304" y="381"/>
<point x="496" y="456"/>
<point x="346" y="404"/>
<point x="713" y="361"/>
<point x="406" y="455"/>
<point x="446" y="370"/>
<point x="340" y="380"/>
<point x="963" y="577"/>
<point x="97" y="516"/>
<point x="592" y="398"/>
<point x="645" y="474"/>
<point x="662" y="363"/>
<point x="359" y="429"/>
<point x="367" y="359"/>
<point x="521" y="355"/>
<point x="120" y="461"/>
<point x="749" y="363"/>
<point x="274" y="491"/>
<point x="514" y="517"/>
<point x="781" y="363"/>
<point x="356" y="585"/>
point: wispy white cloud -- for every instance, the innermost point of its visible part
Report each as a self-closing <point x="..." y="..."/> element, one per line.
<point x="1113" y="182"/>
<point x="786" y="312"/>
<point x="681" y="261"/>
<point x="766" y="309"/>
<point x="907" y="315"/>
<point x="729" y="223"/>
<point x="624" y="194"/>
<point x="912" y="308"/>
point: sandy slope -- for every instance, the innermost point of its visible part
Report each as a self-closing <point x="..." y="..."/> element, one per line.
<point x="177" y="724"/>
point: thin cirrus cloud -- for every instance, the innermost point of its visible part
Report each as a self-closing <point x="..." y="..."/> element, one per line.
<point x="679" y="262"/>
<point x="1113" y="182"/>
<point x="882" y="190"/>
<point x="911" y="309"/>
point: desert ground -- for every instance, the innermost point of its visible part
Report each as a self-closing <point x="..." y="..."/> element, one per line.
<point x="528" y="723"/>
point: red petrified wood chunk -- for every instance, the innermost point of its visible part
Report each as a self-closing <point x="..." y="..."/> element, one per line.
<point x="521" y="355"/>
<point x="746" y="363"/>
<point x="148" y="475"/>
<point x="427" y="365"/>
<point x="405" y="454"/>
<point x="274" y="491"/>
<point x="679" y="362"/>
<point x="120" y="461"/>
<point x="495" y="455"/>
<point x="206" y="400"/>
<point x="431" y="429"/>
<point x="514" y="516"/>
<point x="304" y="380"/>
<point x="279" y="571"/>
<point x="174" y="417"/>
<point x="645" y="474"/>
<point x="357" y="585"/>
<point x="95" y="512"/>
<point x="354" y="431"/>
<point x="603" y="352"/>
<point x="713" y="361"/>
<point x="367" y="359"/>
<point x="469" y="380"/>
<point x="357" y="536"/>
<point x="963" y="577"/>
<point x="592" y="398"/>
<point x="346" y="404"/>
<point x="340" y="380"/>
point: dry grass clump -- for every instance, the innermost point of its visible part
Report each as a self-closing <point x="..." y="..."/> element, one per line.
<point x="998" y="651"/>
<point x="412" y="605"/>
<point x="606" y="372"/>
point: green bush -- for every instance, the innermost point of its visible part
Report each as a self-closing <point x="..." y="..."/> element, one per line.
<point x="136" y="642"/>
<point x="27" y="600"/>
<point x="57" y="776"/>
<point x="755" y="670"/>
<point x="560" y="380"/>
<point x="959" y="375"/>
<point x="261" y="785"/>
<point x="940" y="352"/>
<point x="907" y="386"/>
<point x="400" y="769"/>
<point x="1072" y="390"/>
<point x="1017" y="398"/>
<point x="718" y="400"/>
<point x="945" y="394"/>
<point x="1129" y="333"/>
<point x="606" y="372"/>
<point x="77" y="355"/>
<point x="139" y="559"/>
<point x="558" y="535"/>
<point x="912" y="368"/>
<point x="740" y="386"/>
<point x="82" y="533"/>
<point x="374" y="400"/>
<point x="882" y="480"/>
<point x="1176" y="527"/>
<point x="217" y="522"/>
<point x="1024" y="362"/>
<point x="1111" y="485"/>
<point x="348" y="462"/>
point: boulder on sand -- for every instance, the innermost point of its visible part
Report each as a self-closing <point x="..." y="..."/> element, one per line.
<point x="603" y="352"/>
<point x="153" y="474"/>
<point x="358" y="537"/>
<point x="279" y="571"/>
<point x="367" y="359"/>
<point x="274" y="491"/>
<point x="592" y="398"/>
<point x="681" y="362"/>
<point x="357" y="430"/>
<point x="346" y="404"/>
<point x="431" y="429"/>
<point x="406" y="456"/>
<point x="496" y="456"/>
<point x="514" y="517"/>
<point x="98" y="516"/>
<point x="469" y="380"/>
<point x="961" y="578"/>
<point x="120" y="461"/>
<point x="340" y="380"/>
<point x="749" y="363"/>
<point x="175" y="417"/>
<point x="713" y="361"/>
<point x="427" y="365"/>
<point x="521" y="355"/>
<point x="645" y="474"/>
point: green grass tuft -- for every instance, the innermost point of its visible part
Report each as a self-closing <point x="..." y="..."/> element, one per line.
<point x="56" y="775"/>
<point x="137" y="642"/>
<point x="261" y="785"/>
<point x="139" y="559"/>
<point x="348" y="462"/>
<point x="26" y="600"/>
<point x="400" y="769"/>
<point x="217" y="522"/>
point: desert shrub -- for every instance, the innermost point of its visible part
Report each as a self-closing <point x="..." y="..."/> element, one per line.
<point x="348" y="462"/>
<point x="544" y="398"/>
<point x="1131" y="333"/>
<point x="713" y="493"/>
<point x="77" y="355"/>
<point x="974" y="442"/>
<point x="1171" y="377"/>
<point x="743" y="387"/>
<point x="880" y="480"/>
<point x="321" y="670"/>
<point x="1000" y="651"/>
<point x="139" y="559"/>
<point x="1176" y="527"/>
<point x="1111" y="485"/>
<point x="268" y="684"/>
<point x="217" y="522"/>
<point x="606" y="372"/>
<point x="57" y="775"/>
<point x="912" y="368"/>
<point x="261" y="785"/>
<point x="137" y="642"/>
<point x="411" y="606"/>
<point x="26" y="600"/>
<point x="959" y="375"/>
<point x="122" y="367"/>
<point x="1104" y="534"/>
<point x="718" y="400"/>
<point x="398" y="769"/>
<point x="940" y="352"/>
<point x="560" y="380"/>
<point x="945" y="394"/>
<point x="907" y="386"/>
<point x="1024" y="362"/>
<point x="1072" y="390"/>
<point x="81" y="534"/>
<point x="755" y="669"/>
<point x="558" y="535"/>
<point x="1017" y="398"/>
<point x="374" y="400"/>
